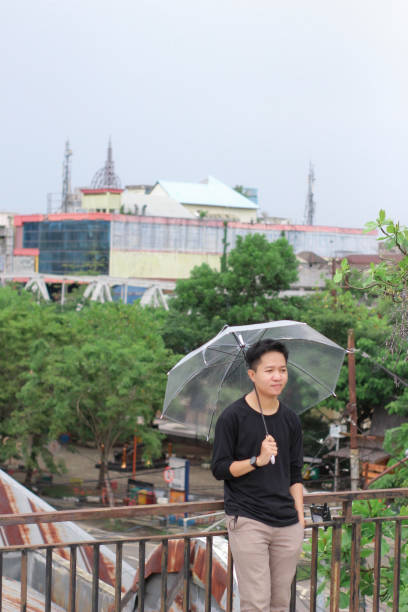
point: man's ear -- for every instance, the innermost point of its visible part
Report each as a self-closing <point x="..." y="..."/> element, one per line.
<point x="251" y="374"/>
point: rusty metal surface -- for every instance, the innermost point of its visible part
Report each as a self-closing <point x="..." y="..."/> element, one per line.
<point x="203" y="575"/>
<point x="11" y="600"/>
<point x="15" y="499"/>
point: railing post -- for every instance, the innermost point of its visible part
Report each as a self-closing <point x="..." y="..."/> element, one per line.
<point x="72" y="579"/>
<point x="186" y="583"/>
<point x="141" y="589"/>
<point x="397" y="565"/>
<point x="377" y="566"/>
<point x="335" y="566"/>
<point x="164" y="560"/>
<point x="95" y="579"/>
<point x="208" y="573"/>
<point x="355" y="565"/>
<point x="118" y="576"/>
<point x="313" y="568"/>
<point x="24" y="558"/>
<point x="48" y="579"/>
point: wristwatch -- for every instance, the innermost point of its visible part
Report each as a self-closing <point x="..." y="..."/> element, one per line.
<point x="252" y="462"/>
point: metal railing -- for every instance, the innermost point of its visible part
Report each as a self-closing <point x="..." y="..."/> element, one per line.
<point x="135" y="596"/>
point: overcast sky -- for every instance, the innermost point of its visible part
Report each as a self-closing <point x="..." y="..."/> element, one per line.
<point x="249" y="91"/>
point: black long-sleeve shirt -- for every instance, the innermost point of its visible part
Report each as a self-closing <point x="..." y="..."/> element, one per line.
<point x="262" y="494"/>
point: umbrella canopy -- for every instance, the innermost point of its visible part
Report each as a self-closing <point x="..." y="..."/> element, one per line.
<point x="211" y="377"/>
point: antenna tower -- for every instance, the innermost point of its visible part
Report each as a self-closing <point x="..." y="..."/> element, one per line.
<point x="310" y="201"/>
<point x="66" y="178"/>
<point x="106" y="178"/>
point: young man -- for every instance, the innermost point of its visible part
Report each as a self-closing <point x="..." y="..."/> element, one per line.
<point x="263" y="500"/>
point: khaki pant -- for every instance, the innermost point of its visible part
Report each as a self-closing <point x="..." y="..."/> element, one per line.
<point x="265" y="560"/>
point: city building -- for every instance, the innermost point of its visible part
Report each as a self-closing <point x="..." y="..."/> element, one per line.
<point x="165" y="248"/>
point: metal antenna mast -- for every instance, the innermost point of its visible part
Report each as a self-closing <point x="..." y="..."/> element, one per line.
<point x="310" y="202"/>
<point x="66" y="178"/>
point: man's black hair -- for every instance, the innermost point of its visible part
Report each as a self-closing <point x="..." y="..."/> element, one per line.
<point x="255" y="352"/>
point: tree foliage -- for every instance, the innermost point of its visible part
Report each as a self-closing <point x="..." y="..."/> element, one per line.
<point x="389" y="278"/>
<point x="245" y="292"/>
<point x="333" y="313"/>
<point x="365" y="509"/>
<point x="98" y="373"/>
<point x="388" y="282"/>
<point x="109" y="382"/>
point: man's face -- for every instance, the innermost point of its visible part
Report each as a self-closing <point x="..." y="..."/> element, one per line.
<point x="271" y="374"/>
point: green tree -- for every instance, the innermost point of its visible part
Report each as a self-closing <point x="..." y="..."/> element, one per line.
<point x="388" y="282"/>
<point x="241" y="189"/>
<point x="109" y="382"/>
<point x="98" y="373"/>
<point x="389" y="278"/>
<point x="245" y="291"/>
<point x="24" y="325"/>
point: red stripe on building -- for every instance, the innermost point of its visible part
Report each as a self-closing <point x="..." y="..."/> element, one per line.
<point x="21" y="219"/>
<point x="27" y="252"/>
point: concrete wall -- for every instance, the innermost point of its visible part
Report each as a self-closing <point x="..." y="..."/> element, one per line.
<point x="25" y="265"/>
<point x="165" y="248"/>
<point x="185" y="235"/>
<point x="155" y="264"/>
<point x="101" y="201"/>
<point x="6" y="242"/>
<point x="159" y="265"/>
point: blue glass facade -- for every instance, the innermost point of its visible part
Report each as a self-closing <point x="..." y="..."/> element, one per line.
<point x="31" y="235"/>
<point x="70" y="247"/>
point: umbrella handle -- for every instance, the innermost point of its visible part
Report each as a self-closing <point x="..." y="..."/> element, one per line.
<point x="273" y="459"/>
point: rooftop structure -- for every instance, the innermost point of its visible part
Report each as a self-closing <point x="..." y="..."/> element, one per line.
<point x="106" y="178"/>
<point x="209" y="197"/>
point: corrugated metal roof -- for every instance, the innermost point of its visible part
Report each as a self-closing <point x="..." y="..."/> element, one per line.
<point x="175" y="569"/>
<point x="16" y="499"/>
<point x="210" y="192"/>
<point x="11" y="598"/>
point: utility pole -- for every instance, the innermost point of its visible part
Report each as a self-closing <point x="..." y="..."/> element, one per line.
<point x="310" y="202"/>
<point x="225" y="245"/>
<point x="352" y="409"/>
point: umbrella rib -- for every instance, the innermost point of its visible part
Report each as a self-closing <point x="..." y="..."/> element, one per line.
<point x="218" y="350"/>
<point x="319" y="382"/>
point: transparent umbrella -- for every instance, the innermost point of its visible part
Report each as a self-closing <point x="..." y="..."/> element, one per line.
<point x="211" y="377"/>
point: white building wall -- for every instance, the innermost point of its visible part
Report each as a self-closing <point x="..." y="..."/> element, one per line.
<point x="184" y="235"/>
